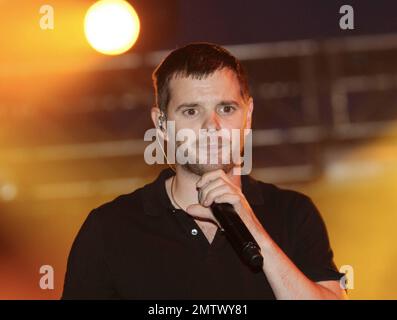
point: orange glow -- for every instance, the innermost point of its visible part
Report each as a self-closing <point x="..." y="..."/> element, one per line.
<point x="28" y="49"/>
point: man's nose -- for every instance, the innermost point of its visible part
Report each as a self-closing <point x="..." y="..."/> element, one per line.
<point x="212" y="121"/>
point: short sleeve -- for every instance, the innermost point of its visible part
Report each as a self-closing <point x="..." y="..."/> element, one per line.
<point x="312" y="252"/>
<point x="87" y="275"/>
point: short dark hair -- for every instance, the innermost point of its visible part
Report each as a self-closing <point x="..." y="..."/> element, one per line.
<point x="197" y="60"/>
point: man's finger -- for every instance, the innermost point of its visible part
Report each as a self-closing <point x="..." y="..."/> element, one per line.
<point x="209" y="176"/>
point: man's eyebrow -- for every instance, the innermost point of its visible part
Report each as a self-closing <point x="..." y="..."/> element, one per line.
<point x="228" y="102"/>
<point x="187" y="105"/>
<point x="196" y="104"/>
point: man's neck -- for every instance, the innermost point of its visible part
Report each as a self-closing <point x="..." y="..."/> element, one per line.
<point x="184" y="187"/>
<point x="185" y="193"/>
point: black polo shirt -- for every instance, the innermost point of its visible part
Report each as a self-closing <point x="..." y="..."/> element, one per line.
<point x="139" y="246"/>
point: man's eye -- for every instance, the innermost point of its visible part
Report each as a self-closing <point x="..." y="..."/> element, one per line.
<point x="227" y="109"/>
<point x="190" y="112"/>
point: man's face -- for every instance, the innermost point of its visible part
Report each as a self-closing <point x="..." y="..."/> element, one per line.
<point x="211" y="103"/>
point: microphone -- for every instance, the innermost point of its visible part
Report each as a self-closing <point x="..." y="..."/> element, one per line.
<point x="238" y="234"/>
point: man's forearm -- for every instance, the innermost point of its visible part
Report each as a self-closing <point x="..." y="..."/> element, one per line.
<point x="286" y="280"/>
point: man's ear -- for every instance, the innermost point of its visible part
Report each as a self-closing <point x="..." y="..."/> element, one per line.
<point x="248" y="116"/>
<point x="159" y="122"/>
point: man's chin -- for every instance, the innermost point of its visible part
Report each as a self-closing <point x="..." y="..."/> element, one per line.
<point x="200" y="169"/>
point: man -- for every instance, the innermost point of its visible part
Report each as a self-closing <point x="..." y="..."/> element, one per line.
<point x="162" y="241"/>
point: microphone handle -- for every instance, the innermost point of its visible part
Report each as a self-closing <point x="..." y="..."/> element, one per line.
<point x="238" y="234"/>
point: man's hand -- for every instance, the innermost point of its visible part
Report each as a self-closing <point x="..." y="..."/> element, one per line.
<point x="216" y="186"/>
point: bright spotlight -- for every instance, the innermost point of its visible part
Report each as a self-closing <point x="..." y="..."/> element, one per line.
<point x="111" y="26"/>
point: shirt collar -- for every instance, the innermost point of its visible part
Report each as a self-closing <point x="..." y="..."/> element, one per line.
<point x="156" y="201"/>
